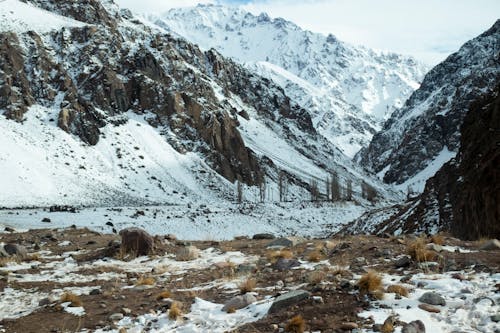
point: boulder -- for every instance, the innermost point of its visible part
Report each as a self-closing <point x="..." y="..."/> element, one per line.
<point x="284" y="242"/>
<point x="239" y="302"/>
<point x="187" y="253"/>
<point x="136" y="241"/>
<point x="288" y="299"/>
<point x="415" y="326"/>
<point x="432" y="298"/>
<point x="16" y="250"/>
<point x="429" y="308"/>
<point x="403" y="261"/>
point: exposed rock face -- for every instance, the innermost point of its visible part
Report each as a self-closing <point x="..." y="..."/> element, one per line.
<point x="429" y="123"/>
<point x="136" y="241"/>
<point x="463" y="196"/>
<point x="100" y="70"/>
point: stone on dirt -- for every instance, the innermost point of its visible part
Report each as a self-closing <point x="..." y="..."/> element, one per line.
<point x="136" y="241"/>
<point x="288" y="299"/>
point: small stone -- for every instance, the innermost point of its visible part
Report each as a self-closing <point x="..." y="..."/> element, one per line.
<point x="9" y="229"/>
<point x="403" y="261"/>
<point x="16" y="250"/>
<point x="239" y="302"/>
<point x="116" y="317"/>
<point x="429" y="308"/>
<point x="285" y="242"/>
<point x="102" y="305"/>
<point x="414" y="327"/>
<point x="432" y="298"/>
<point x="126" y="311"/>
<point x="263" y="236"/>
<point x="286" y="264"/>
<point x="44" y="301"/>
<point x="95" y="292"/>
<point x="46" y="220"/>
<point x="318" y="299"/>
<point x="493" y="244"/>
<point x="495" y="318"/>
<point x="434" y="247"/>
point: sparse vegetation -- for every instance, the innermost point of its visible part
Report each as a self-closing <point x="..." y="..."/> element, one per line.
<point x="248" y="285"/>
<point x="164" y="294"/>
<point x="416" y="249"/>
<point x="273" y="256"/>
<point x="370" y="283"/>
<point x="146" y="281"/>
<point x="73" y="298"/>
<point x="437" y="239"/>
<point x="175" y="311"/>
<point x="398" y="290"/>
<point x="316" y="277"/>
<point x="315" y="256"/>
<point x="296" y="325"/>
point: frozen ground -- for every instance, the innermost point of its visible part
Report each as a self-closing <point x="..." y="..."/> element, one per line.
<point x="195" y="221"/>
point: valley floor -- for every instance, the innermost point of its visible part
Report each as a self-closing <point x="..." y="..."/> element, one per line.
<point x="107" y="291"/>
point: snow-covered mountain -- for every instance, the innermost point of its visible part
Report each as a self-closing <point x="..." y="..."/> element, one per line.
<point x="425" y="133"/>
<point x="99" y="108"/>
<point x="348" y="91"/>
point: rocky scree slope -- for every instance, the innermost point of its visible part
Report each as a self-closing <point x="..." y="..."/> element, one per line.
<point x="95" y="70"/>
<point x="349" y="91"/>
<point x="426" y="130"/>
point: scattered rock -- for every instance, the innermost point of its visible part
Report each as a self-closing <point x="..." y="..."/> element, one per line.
<point x="263" y="236"/>
<point x="187" y="253"/>
<point x="432" y="298"/>
<point x="126" y="311"/>
<point x="429" y="308"/>
<point x="290" y="298"/>
<point x="239" y="302"/>
<point x="46" y="220"/>
<point x="246" y="268"/>
<point x="136" y="241"/>
<point x="493" y="244"/>
<point x="403" y="261"/>
<point x="95" y="292"/>
<point x="285" y="264"/>
<point x="44" y="301"/>
<point x="3" y="253"/>
<point x="16" y="250"/>
<point x="116" y="316"/>
<point x="8" y="229"/>
<point x="495" y="318"/>
<point x="414" y="327"/>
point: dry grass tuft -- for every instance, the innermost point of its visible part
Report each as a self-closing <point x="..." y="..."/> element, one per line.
<point x="316" y="277"/>
<point x="146" y="281"/>
<point x="6" y="260"/>
<point x="175" y="311"/>
<point x="164" y="294"/>
<point x="315" y="256"/>
<point x="247" y="286"/>
<point x="70" y="297"/>
<point x="416" y="249"/>
<point x="370" y="282"/>
<point x="231" y="310"/>
<point x="398" y="290"/>
<point x="437" y="239"/>
<point x="273" y="256"/>
<point x="296" y="325"/>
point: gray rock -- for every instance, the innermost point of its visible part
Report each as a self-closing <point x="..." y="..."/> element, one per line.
<point x="288" y="299"/>
<point x="95" y="292"/>
<point x="493" y="244"/>
<point x="263" y="236"/>
<point x="187" y="253"/>
<point x="286" y="264"/>
<point x="495" y="318"/>
<point x="404" y="261"/>
<point x="246" y="268"/>
<point x="16" y="250"/>
<point x="239" y="302"/>
<point x="414" y="327"/>
<point x="136" y="241"/>
<point x="3" y="253"/>
<point x="432" y="298"/>
<point x="116" y="316"/>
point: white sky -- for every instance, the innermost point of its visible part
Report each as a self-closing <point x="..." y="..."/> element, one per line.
<point x="427" y="29"/>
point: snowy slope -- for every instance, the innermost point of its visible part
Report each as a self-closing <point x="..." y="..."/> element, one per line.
<point x="348" y="90"/>
<point x="18" y="16"/>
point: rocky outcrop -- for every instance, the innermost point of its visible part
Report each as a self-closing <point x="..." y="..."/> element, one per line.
<point x="429" y="122"/>
<point x="136" y="241"/>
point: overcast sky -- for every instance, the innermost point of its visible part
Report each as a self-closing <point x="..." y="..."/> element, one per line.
<point x="427" y="29"/>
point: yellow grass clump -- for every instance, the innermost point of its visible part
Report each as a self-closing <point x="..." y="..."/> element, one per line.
<point x="370" y="282"/>
<point x="247" y="286"/>
<point x="398" y="290"/>
<point x="146" y="281"/>
<point x="175" y="311"/>
<point x="70" y="297"/>
<point x="416" y="249"/>
<point x="296" y="325"/>
<point x="164" y="294"/>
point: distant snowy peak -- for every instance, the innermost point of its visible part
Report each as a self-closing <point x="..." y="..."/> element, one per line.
<point x="349" y="91"/>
